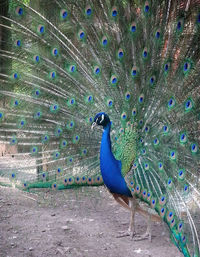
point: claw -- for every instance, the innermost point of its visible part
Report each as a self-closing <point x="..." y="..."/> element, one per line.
<point x="126" y="233"/>
<point x="133" y="234"/>
<point x="123" y="235"/>
<point x="142" y="237"/>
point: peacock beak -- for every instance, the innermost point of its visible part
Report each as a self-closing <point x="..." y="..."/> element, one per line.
<point x="93" y="125"/>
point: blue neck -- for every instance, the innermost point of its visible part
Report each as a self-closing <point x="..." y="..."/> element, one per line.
<point x="106" y="150"/>
<point x="110" y="167"/>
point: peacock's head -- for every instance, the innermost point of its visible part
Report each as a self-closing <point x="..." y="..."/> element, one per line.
<point x="101" y="119"/>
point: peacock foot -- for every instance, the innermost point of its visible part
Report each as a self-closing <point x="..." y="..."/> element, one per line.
<point x="142" y="237"/>
<point x="126" y="233"/>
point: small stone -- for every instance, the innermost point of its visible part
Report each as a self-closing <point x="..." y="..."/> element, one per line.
<point x="53" y="214"/>
<point x="65" y="227"/>
<point x="125" y="223"/>
<point x="68" y="221"/>
<point x="59" y="243"/>
<point x="60" y="251"/>
<point x="30" y="248"/>
<point x="67" y="249"/>
<point x="100" y="234"/>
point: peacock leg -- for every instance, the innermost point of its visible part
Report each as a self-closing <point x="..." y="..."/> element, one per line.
<point x="131" y="229"/>
<point x="133" y="204"/>
<point x="147" y="234"/>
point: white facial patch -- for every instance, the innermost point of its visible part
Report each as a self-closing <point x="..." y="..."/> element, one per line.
<point x="102" y="118"/>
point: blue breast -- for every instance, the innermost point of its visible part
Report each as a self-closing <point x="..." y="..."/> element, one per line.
<point x="110" y="167"/>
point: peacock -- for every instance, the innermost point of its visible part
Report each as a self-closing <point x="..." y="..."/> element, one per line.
<point x="129" y="68"/>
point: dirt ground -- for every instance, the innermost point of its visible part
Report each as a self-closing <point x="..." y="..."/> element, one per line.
<point x="82" y="222"/>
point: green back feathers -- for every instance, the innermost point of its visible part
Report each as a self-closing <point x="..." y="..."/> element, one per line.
<point x="125" y="147"/>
